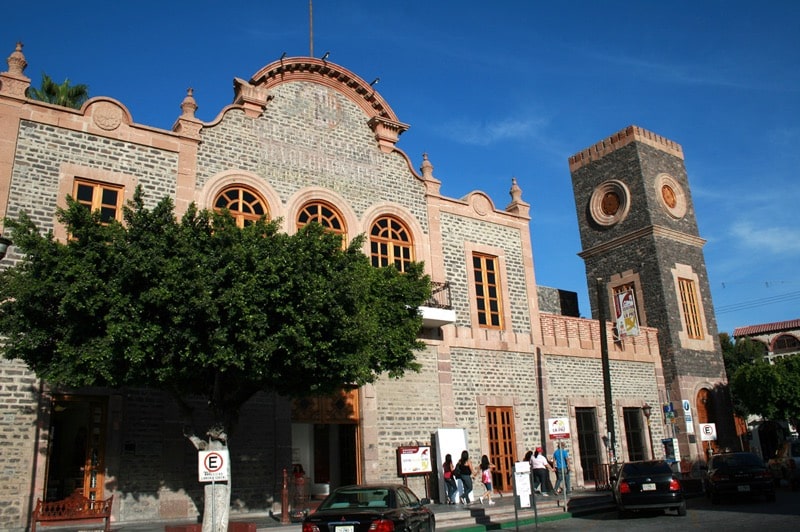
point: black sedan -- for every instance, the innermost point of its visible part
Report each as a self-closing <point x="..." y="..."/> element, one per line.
<point x="738" y="474"/>
<point x="648" y="485"/>
<point x="371" y="508"/>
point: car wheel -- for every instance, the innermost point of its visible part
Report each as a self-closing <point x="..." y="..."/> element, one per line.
<point x="622" y="514"/>
<point x="795" y="484"/>
<point x="714" y="498"/>
<point x="771" y="496"/>
<point x="682" y="509"/>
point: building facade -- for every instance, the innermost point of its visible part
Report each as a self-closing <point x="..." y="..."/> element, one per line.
<point x="780" y="339"/>
<point x="307" y="140"/>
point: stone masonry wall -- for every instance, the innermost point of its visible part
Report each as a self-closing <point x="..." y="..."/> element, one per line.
<point x="42" y="149"/>
<point x="456" y="231"/>
<point x="311" y="136"/>
<point x="19" y="409"/>
<point x="158" y="465"/>
<point x="570" y="378"/>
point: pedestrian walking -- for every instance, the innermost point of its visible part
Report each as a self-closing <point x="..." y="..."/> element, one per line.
<point x="561" y="460"/>
<point x="465" y="472"/>
<point x="486" y="468"/>
<point x="448" y="471"/>
<point x="540" y="467"/>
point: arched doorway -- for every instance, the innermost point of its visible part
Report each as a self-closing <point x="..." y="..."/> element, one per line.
<point x="705" y="410"/>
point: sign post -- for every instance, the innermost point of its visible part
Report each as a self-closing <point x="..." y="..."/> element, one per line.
<point x="211" y="467"/>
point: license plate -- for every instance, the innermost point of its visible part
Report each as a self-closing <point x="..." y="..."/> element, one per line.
<point x="649" y="487"/>
<point x="743" y="488"/>
<point x="344" y="528"/>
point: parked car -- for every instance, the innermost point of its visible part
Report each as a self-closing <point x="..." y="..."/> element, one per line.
<point x="371" y="508"/>
<point x="647" y="485"/>
<point x="738" y="474"/>
<point x="786" y="464"/>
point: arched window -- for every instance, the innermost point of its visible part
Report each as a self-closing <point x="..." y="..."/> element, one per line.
<point x="785" y="343"/>
<point x="324" y="214"/>
<point x="244" y="205"/>
<point x="390" y="243"/>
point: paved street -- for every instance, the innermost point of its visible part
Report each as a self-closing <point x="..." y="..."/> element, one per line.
<point x="784" y="514"/>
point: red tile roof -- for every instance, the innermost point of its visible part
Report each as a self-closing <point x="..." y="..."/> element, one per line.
<point x="751" y="330"/>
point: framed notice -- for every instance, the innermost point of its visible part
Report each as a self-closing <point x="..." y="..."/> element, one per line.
<point x="414" y="460"/>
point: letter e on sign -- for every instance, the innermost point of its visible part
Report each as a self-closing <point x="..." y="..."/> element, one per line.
<point x="212" y="466"/>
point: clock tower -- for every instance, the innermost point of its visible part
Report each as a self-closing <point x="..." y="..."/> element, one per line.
<point x="644" y="256"/>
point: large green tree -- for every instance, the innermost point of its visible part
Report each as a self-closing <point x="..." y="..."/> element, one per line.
<point x="66" y="94"/>
<point x="735" y="354"/>
<point x="771" y="391"/>
<point x="201" y="307"/>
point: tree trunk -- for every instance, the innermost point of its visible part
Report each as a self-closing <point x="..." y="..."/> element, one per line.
<point x="217" y="495"/>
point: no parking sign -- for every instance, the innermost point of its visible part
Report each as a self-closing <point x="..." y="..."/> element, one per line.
<point x="708" y="432"/>
<point x="212" y="466"/>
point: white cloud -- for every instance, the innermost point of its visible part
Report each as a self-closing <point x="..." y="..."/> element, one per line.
<point x="487" y="133"/>
<point x="777" y="240"/>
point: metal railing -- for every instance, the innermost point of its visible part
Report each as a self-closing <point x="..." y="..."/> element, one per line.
<point x="440" y="296"/>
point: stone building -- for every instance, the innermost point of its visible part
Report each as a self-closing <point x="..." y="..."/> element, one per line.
<point x="305" y="139"/>
<point x="644" y="255"/>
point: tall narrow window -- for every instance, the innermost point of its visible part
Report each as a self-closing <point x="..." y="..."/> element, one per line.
<point x="101" y="197"/>
<point x="691" y="309"/>
<point x="324" y="214"/>
<point x="390" y="243"/>
<point x="487" y="290"/>
<point x="244" y="205"/>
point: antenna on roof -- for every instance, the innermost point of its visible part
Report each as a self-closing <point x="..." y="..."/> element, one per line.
<point x="310" y="28"/>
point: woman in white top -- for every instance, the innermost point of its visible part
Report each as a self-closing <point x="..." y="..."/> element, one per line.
<point x="540" y="466"/>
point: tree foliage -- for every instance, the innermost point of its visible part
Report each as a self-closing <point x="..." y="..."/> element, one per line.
<point x="202" y="307"/>
<point x="771" y="391"/>
<point x="65" y="94"/>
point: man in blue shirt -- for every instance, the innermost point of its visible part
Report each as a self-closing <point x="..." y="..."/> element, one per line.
<point x="561" y="461"/>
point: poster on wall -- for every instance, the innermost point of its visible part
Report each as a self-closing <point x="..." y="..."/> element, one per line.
<point x="625" y="310"/>
<point x="414" y="460"/>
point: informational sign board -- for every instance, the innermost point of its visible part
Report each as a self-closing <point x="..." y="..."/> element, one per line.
<point x="687" y="417"/>
<point x="522" y="483"/>
<point x="212" y="466"/>
<point x="708" y="432"/>
<point x="414" y="460"/>
<point x="558" y="428"/>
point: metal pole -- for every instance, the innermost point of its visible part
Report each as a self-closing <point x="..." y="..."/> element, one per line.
<point x="601" y="315"/>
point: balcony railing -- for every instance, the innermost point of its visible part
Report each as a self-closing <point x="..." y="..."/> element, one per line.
<point x="440" y="296"/>
<point x="438" y="310"/>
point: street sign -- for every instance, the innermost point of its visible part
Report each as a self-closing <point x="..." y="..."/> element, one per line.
<point x="708" y="432"/>
<point x="212" y="466"/>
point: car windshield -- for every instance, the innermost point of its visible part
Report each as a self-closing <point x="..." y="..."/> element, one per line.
<point x="358" y="498"/>
<point x="635" y="469"/>
<point x="738" y="460"/>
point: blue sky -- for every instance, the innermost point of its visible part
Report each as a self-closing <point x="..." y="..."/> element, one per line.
<point x="502" y="89"/>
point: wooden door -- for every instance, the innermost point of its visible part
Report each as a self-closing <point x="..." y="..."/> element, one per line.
<point x="502" y="445"/>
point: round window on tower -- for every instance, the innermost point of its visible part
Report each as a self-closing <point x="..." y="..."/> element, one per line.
<point x="671" y="195"/>
<point x="610" y="202"/>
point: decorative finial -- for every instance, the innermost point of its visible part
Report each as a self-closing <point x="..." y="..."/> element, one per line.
<point x="188" y="105"/>
<point x="427" y="167"/>
<point x="16" y="61"/>
<point x="516" y="192"/>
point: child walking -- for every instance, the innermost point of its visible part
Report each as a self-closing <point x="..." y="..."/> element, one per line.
<point x="486" y="479"/>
